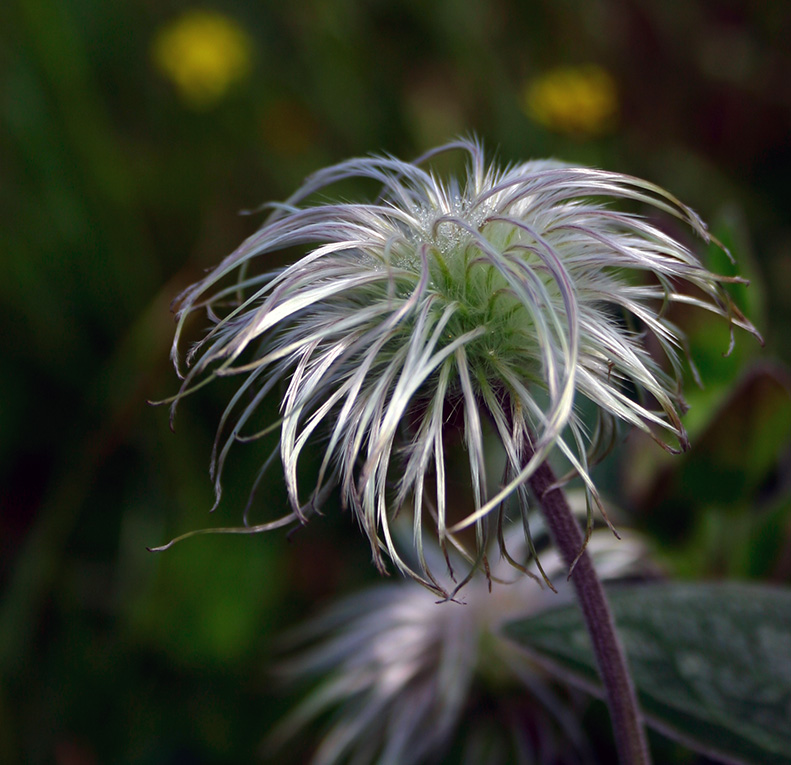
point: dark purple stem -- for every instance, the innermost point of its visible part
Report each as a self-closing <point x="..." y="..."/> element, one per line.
<point x="613" y="669"/>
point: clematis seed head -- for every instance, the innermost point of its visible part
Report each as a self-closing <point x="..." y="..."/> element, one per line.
<point x="504" y="303"/>
<point x="404" y="678"/>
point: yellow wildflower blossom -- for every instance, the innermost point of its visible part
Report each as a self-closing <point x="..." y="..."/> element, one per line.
<point x="575" y="100"/>
<point x="203" y="54"/>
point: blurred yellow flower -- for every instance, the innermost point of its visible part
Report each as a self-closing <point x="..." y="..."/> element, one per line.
<point x="574" y="100"/>
<point x="203" y="53"/>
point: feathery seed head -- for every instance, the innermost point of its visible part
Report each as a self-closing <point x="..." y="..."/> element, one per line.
<point x="497" y="302"/>
<point x="404" y="678"/>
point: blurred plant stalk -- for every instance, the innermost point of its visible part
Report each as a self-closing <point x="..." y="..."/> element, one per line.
<point x="622" y="701"/>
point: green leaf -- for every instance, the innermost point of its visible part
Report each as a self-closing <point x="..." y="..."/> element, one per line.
<point x="743" y="442"/>
<point x="711" y="662"/>
<point x="708" y="507"/>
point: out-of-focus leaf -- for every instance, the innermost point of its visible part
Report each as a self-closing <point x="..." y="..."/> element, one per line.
<point x="743" y="441"/>
<point x="710" y="337"/>
<point x="732" y="466"/>
<point x="732" y="229"/>
<point x="711" y="662"/>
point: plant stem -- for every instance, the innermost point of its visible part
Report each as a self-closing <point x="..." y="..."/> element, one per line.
<point x="613" y="669"/>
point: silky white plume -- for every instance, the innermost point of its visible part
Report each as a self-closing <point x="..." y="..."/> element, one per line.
<point x="494" y="304"/>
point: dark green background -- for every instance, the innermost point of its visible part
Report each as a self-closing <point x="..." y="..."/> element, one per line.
<point x="114" y="195"/>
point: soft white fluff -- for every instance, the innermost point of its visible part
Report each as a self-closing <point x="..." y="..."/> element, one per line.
<point x="501" y="299"/>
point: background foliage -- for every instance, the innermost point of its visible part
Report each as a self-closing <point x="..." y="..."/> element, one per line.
<point x="120" y="185"/>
